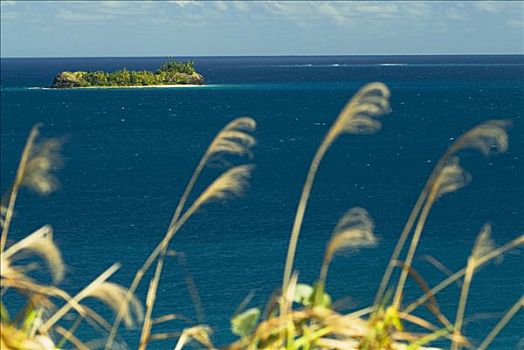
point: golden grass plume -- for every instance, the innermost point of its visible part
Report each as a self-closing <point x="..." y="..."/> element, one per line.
<point x="360" y="115"/>
<point x="43" y="160"/>
<point x="113" y="295"/>
<point x="40" y="243"/>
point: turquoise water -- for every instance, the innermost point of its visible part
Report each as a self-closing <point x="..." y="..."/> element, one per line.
<point x="130" y="152"/>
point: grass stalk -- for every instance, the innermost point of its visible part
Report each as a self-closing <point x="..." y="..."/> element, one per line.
<point x="156" y="252"/>
<point x="231" y="182"/>
<point x="411" y="220"/>
<point x="206" y="195"/>
<point x="82" y="294"/>
<point x="322" y="277"/>
<point x="470" y="270"/>
<point x="231" y="139"/>
<point x="482" y="137"/>
<point x="192" y="290"/>
<point x="56" y="292"/>
<point x="299" y="217"/>
<point x="502" y="323"/>
<point x="302" y="205"/>
<point x="152" y="290"/>
<point x="223" y="142"/>
<point x="16" y="184"/>
<point x="370" y="101"/>
<point x="400" y="244"/>
<point x="419" y="205"/>
<point x="69" y="336"/>
<point x="454" y="277"/>
<point x="150" y="301"/>
<point x="483" y="245"/>
<point x="397" y="298"/>
<point x="138" y="278"/>
<point x="354" y="230"/>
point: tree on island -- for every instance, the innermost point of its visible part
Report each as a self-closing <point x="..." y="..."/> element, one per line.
<point x="170" y="73"/>
<point x="178" y="67"/>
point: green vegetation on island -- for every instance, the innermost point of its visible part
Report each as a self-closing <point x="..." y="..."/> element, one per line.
<point x="169" y="73"/>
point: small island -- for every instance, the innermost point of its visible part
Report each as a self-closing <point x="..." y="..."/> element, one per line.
<point x="170" y="73"/>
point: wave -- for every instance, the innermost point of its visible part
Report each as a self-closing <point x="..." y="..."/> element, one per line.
<point x="388" y="64"/>
<point x="329" y="65"/>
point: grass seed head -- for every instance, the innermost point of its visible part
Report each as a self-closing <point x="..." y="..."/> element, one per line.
<point x="114" y="295"/>
<point x="38" y="243"/>
<point x="44" y="159"/>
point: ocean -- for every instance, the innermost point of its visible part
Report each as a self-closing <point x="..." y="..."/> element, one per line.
<point x="130" y="152"/>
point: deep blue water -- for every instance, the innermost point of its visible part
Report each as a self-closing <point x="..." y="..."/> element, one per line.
<point x="129" y="154"/>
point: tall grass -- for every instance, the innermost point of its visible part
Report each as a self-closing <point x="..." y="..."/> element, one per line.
<point x="297" y="315"/>
<point x="233" y="139"/>
<point x="315" y="324"/>
<point x="358" y="116"/>
<point x="36" y="324"/>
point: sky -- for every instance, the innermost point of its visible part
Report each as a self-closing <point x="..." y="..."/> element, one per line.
<point x="236" y="28"/>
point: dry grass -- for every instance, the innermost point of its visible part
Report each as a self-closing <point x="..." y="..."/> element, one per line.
<point x="358" y="116"/>
<point x="233" y="139"/>
<point x="36" y="325"/>
<point x="297" y="316"/>
<point x="315" y="325"/>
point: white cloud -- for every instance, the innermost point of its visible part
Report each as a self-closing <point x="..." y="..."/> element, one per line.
<point x="218" y="26"/>
<point x="301" y="12"/>
<point x="121" y="8"/>
<point x="221" y="5"/>
<point x="330" y="11"/>
<point x="112" y="3"/>
<point x="417" y="9"/>
<point x="184" y="3"/>
<point x="277" y="8"/>
<point x="455" y="14"/>
<point x="67" y="15"/>
<point x="488" y="6"/>
<point x="378" y="8"/>
<point x="7" y="3"/>
<point x="240" y="5"/>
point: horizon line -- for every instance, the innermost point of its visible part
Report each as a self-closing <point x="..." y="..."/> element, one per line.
<point x="276" y="55"/>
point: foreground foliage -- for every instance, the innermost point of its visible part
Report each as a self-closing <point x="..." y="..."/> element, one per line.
<point x="298" y="315"/>
<point x="37" y="325"/>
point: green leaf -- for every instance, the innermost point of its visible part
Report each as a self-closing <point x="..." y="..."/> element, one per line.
<point x="303" y="294"/>
<point x="319" y="297"/>
<point x="29" y="318"/>
<point x="4" y="314"/>
<point x="244" y="323"/>
<point x="325" y="301"/>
